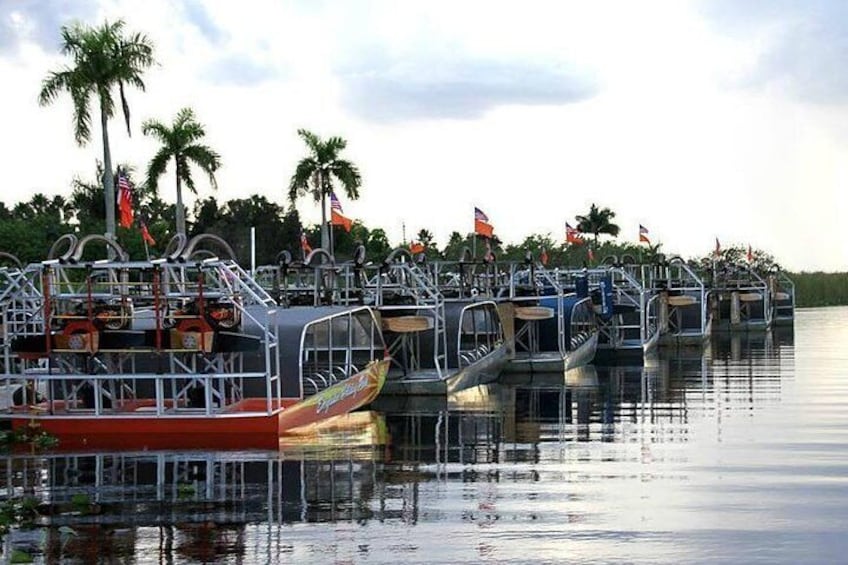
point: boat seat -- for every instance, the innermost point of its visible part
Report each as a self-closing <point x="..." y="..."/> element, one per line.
<point x="681" y="300"/>
<point x="406" y="324"/>
<point x="528" y="336"/>
<point x="533" y="313"/>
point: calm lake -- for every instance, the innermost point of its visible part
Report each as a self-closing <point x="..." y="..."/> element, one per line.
<point x="735" y="452"/>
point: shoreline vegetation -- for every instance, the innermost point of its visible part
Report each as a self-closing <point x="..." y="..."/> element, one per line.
<point x="820" y="289"/>
<point x="28" y="229"/>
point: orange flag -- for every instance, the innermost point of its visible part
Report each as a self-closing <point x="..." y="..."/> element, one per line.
<point x="336" y="216"/>
<point x="481" y="224"/>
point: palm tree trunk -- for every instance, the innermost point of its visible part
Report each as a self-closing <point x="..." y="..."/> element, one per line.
<point x="108" y="179"/>
<point x="181" y="225"/>
<point x="325" y="231"/>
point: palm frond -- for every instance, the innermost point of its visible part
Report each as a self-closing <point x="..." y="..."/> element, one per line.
<point x="157" y="129"/>
<point x="312" y="140"/>
<point x="55" y="83"/>
<point x="299" y="183"/>
<point x="336" y="144"/>
<point x="184" y="172"/>
<point x="204" y="157"/>
<point x="82" y="118"/>
<point x="156" y="168"/>
<point x="349" y="176"/>
<point x="125" y="107"/>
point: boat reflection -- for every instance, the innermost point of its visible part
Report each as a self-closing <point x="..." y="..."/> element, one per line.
<point x="457" y="458"/>
<point x="195" y="504"/>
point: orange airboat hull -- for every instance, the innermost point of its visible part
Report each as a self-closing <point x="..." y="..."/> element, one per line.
<point x="244" y="425"/>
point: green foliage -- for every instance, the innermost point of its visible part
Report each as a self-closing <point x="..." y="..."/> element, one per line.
<point x="18" y="512"/>
<point x="456" y="243"/>
<point x="275" y="230"/>
<point x="104" y="57"/>
<point x="321" y="168"/>
<point x="180" y="143"/>
<point x="820" y="289"/>
<point x="31" y="435"/>
<point x="316" y="174"/>
<point x="80" y="501"/>
<point x="597" y="221"/>
<point x="186" y="490"/>
<point x="425" y="238"/>
<point x="377" y="245"/>
<point x="20" y="556"/>
<point x="761" y="261"/>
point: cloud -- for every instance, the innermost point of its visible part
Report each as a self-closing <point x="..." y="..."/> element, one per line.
<point x="39" y="21"/>
<point x="459" y="88"/>
<point x="804" y="45"/>
<point x="198" y="16"/>
<point x="239" y="70"/>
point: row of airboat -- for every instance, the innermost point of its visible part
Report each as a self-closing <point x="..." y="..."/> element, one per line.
<point x="190" y="350"/>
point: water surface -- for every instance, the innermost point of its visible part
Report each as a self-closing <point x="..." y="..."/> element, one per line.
<point x="734" y="452"/>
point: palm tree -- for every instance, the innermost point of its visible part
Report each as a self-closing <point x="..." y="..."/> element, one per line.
<point x="314" y="175"/>
<point x="180" y="143"/>
<point x="103" y="57"/>
<point x="597" y="222"/>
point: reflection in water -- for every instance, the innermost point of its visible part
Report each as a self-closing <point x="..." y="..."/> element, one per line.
<point x="709" y="453"/>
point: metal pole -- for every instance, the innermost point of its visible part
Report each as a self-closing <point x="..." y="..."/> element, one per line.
<point x="252" y="251"/>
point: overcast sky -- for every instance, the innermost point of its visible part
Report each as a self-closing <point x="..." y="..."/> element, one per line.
<point x="696" y="119"/>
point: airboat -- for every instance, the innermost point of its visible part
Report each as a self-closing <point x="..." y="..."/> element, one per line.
<point x="184" y="351"/>
<point x="439" y="343"/>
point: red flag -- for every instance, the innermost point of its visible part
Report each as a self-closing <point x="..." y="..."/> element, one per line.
<point x="572" y="236"/>
<point x="717" y="248"/>
<point x="415" y="248"/>
<point x="145" y="235"/>
<point x="543" y="257"/>
<point x="643" y="235"/>
<point x="750" y="255"/>
<point x="337" y="217"/>
<point x="125" y="200"/>
<point x="481" y="224"/>
<point x="304" y="244"/>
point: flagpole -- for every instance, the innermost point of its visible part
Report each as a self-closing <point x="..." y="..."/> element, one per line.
<point x="252" y="251"/>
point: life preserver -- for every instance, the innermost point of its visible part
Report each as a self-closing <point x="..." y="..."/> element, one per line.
<point x="79" y="335"/>
<point x="191" y="331"/>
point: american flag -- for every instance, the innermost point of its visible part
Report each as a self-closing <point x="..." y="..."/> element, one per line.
<point x="335" y="204"/>
<point x="480" y="216"/>
<point x="643" y="234"/>
<point x="125" y="200"/>
<point x="572" y="235"/>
